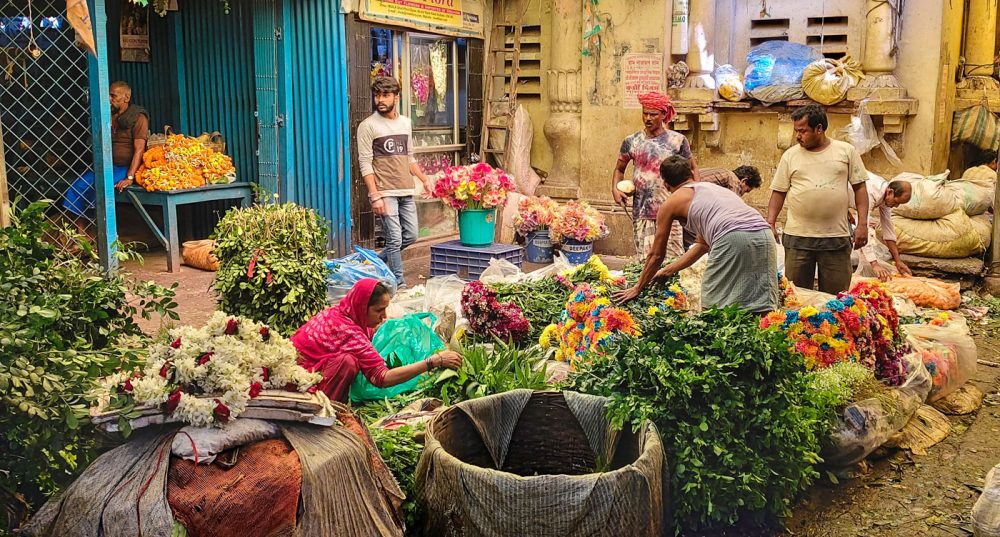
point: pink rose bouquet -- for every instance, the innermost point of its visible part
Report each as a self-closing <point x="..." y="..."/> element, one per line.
<point x="476" y="186"/>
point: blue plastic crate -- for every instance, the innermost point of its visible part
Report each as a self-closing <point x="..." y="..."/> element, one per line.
<point x="467" y="262"/>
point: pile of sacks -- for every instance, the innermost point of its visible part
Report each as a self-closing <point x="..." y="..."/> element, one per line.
<point x="946" y="219"/>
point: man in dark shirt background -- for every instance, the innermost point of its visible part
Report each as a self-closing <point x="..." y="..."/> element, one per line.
<point x="129" y="132"/>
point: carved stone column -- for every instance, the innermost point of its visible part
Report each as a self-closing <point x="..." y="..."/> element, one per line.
<point x="980" y="44"/>
<point x="700" y="85"/>
<point x="878" y="60"/>
<point x="562" y="128"/>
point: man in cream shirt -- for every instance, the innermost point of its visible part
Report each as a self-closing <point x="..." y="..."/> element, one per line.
<point x="813" y="177"/>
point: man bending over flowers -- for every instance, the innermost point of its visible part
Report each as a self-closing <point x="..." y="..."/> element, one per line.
<point x="742" y="261"/>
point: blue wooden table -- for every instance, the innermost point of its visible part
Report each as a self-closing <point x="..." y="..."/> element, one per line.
<point x="169" y="200"/>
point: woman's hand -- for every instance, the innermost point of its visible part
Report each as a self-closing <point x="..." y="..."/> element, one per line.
<point x="449" y="359"/>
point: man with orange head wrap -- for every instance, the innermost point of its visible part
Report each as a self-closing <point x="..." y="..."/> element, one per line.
<point x="646" y="149"/>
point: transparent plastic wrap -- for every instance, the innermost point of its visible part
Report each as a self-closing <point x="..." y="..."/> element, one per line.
<point x="349" y="270"/>
<point x="927" y="292"/>
<point x="948" y="353"/>
<point x="986" y="511"/>
<point x="861" y="133"/>
<point x="864" y="426"/>
<point x="774" y="70"/>
<point x="727" y="80"/>
<point x="501" y="271"/>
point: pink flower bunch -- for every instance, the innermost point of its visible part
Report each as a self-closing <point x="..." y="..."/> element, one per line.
<point x="534" y="213"/>
<point x="420" y="83"/>
<point x="476" y="186"/>
<point x="490" y="318"/>
<point x="579" y="221"/>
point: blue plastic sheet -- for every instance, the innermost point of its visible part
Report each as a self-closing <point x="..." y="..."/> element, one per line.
<point x="774" y="70"/>
<point x="347" y="271"/>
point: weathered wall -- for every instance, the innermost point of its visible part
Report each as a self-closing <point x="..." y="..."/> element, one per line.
<point x="928" y="51"/>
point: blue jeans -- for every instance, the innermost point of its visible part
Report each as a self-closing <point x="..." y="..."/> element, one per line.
<point x="81" y="196"/>
<point x="399" y="225"/>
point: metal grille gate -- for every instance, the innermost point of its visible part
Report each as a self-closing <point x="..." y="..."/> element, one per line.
<point x="44" y="106"/>
<point x="267" y="31"/>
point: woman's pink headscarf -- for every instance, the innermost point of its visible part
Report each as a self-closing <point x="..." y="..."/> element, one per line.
<point x="354" y="305"/>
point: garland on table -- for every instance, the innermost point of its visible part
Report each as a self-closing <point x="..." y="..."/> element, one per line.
<point x="491" y="318"/>
<point x="207" y="376"/>
<point x="587" y="324"/>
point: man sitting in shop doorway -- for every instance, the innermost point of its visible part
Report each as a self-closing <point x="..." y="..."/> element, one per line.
<point x="129" y="133"/>
<point x="385" y="155"/>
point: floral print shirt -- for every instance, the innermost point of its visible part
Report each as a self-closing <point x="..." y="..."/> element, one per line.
<point x="646" y="154"/>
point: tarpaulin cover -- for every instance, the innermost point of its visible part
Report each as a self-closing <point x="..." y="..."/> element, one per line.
<point x="540" y="464"/>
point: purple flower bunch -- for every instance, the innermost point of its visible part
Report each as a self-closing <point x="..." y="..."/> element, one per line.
<point x="491" y="318"/>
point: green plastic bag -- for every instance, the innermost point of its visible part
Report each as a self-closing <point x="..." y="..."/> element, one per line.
<point x="401" y="342"/>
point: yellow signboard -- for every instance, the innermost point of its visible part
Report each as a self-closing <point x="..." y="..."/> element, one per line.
<point x="463" y="18"/>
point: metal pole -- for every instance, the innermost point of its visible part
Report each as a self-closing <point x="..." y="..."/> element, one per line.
<point x="100" y="128"/>
<point x="4" y="196"/>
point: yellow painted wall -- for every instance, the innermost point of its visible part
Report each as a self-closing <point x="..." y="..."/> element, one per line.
<point x="927" y="56"/>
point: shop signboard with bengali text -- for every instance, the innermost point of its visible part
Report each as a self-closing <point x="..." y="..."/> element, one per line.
<point x="459" y="18"/>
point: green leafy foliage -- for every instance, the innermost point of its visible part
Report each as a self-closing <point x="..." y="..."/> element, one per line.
<point x="271" y="265"/>
<point x="63" y="324"/>
<point x="400" y="449"/>
<point x="541" y="301"/>
<point x="731" y="404"/>
<point x="488" y="370"/>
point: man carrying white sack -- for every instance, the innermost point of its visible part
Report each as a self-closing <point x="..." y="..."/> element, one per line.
<point x="883" y="196"/>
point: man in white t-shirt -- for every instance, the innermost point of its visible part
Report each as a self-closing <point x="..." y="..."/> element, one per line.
<point x="814" y="176"/>
<point x="883" y="196"/>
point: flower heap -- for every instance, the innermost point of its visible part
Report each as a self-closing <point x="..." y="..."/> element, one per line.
<point x="587" y="324"/>
<point x="534" y="214"/>
<point x="491" y="318"/>
<point x="593" y="271"/>
<point x="674" y="297"/>
<point x="207" y="376"/>
<point x="183" y="162"/>
<point x="476" y="186"/>
<point x="579" y="221"/>
<point x="860" y="326"/>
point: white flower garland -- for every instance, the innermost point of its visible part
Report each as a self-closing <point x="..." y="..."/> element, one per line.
<point x="207" y="376"/>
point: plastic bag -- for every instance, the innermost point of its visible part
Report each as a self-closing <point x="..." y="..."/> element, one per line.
<point x="774" y="70"/>
<point x="929" y="199"/>
<point x="558" y="266"/>
<point x="927" y="292"/>
<point x="861" y="133"/>
<point x="691" y="279"/>
<point x="948" y="352"/>
<point x="347" y="271"/>
<point x="198" y="254"/>
<point x="867" y="424"/>
<point x="827" y="81"/>
<point x="950" y="237"/>
<point x="986" y="511"/>
<point x="501" y="271"/>
<point x="443" y="298"/>
<point x="727" y="79"/>
<point x="401" y="342"/>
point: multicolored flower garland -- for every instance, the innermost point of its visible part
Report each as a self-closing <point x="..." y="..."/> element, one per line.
<point x="207" y="376"/>
<point x="587" y="324"/>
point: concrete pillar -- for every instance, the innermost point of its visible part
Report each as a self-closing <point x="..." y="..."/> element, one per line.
<point x="562" y="128"/>
<point x="878" y="61"/>
<point x="700" y="57"/>
<point x="980" y="38"/>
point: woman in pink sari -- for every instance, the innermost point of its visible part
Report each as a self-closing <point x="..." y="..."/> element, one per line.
<point x="337" y="342"/>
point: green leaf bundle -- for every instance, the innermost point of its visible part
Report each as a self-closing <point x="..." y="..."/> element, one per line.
<point x="271" y="265"/>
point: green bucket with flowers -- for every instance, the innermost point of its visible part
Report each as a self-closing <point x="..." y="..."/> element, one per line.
<point x="476" y="227"/>
<point x="475" y="191"/>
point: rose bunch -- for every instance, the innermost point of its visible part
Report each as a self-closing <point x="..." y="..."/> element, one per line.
<point x="534" y="213"/>
<point x="491" y="318"/>
<point x="475" y="186"/>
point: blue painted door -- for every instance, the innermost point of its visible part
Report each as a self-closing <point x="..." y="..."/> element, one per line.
<point x="270" y="118"/>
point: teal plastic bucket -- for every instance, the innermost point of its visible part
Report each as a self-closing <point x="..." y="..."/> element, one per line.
<point x="538" y="247"/>
<point x="577" y="252"/>
<point x="476" y="227"/>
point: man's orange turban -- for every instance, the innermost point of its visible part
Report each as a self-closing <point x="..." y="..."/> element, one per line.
<point x="658" y="101"/>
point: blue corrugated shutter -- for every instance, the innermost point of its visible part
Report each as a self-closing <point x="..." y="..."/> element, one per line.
<point x="265" y="27"/>
<point x="318" y="117"/>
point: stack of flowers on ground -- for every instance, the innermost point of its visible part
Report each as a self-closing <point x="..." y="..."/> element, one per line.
<point x="207" y="376"/>
<point x="490" y="318"/>
<point x="587" y="324"/>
